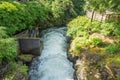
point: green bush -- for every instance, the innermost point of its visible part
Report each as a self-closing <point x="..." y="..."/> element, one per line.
<point x="3" y="33"/>
<point x="16" y="16"/>
<point x="112" y="48"/>
<point x="81" y="26"/>
<point x="80" y="44"/>
<point x="78" y="6"/>
<point x="24" y="69"/>
<point x="11" y="18"/>
<point x="96" y="41"/>
<point x="15" y="68"/>
<point x="107" y="28"/>
<point x="95" y="26"/>
<point x="78" y="27"/>
<point x="36" y="12"/>
<point x="8" y="49"/>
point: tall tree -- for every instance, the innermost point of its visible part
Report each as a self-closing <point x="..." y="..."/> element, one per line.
<point x="114" y="5"/>
<point x="78" y="6"/>
<point x="92" y="5"/>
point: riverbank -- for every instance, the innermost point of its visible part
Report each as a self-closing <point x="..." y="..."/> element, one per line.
<point x="94" y="53"/>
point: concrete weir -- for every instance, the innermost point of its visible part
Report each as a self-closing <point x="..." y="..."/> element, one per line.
<point x="29" y="46"/>
<point x="28" y="43"/>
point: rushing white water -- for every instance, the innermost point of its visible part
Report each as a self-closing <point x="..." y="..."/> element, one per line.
<point x="53" y="63"/>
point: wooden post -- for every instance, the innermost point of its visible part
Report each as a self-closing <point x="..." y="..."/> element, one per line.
<point x="92" y="15"/>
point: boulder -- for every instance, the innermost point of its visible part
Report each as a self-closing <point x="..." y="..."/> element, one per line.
<point x="20" y="76"/>
<point x="25" y="58"/>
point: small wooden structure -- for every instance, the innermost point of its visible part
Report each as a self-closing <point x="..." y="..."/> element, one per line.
<point x="103" y="16"/>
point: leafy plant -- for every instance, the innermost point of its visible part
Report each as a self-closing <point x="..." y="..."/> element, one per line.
<point x="96" y="41"/>
<point x="24" y="69"/>
<point x="78" y="27"/>
<point x="16" y="16"/>
<point x="3" y="32"/>
<point x="80" y="44"/>
<point x="112" y="48"/>
<point x="95" y="26"/>
<point x="107" y="28"/>
<point x="8" y="49"/>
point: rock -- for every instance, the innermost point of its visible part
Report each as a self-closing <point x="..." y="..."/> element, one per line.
<point x="97" y="76"/>
<point x="20" y="76"/>
<point x="103" y="37"/>
<point x="118" y="74"/>
<point x="82" y="73"/>
<point x="104" y="75"/>
<point x="26" y="58"/>
<point x="3" y="70"/>
<point x="92" y="58"/>
<point x="81" y="66"/>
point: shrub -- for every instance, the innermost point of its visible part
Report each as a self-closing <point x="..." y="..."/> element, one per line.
<point x="108" y="28"/>
<point x="8" y="49"/>
<point x="3" y="32"/>
<point x="14" y="69"/>
<point x="78" y="27"/>
<point x="11" y="17"/>
<point x="16" y="16"/>
<point x="24" y="69"/>
<point x="81" y="26"/>
<point x="80" y="44"/>
<point x="95" y="26"/>
<point x="96" y="41"/>
<point x="76" y="48"/>
<point x="112" y="48"/>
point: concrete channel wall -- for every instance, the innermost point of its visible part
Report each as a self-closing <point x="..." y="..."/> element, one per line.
<point x="28" y="44"/>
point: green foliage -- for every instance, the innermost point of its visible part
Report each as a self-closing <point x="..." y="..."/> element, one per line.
<point x="110" y="28"/>
<point x="63" y="8"/>
<point x="16" y="16"/>
<point x="95" y="26"/>
<point x="96" y="41"/>
<point x="19" y="67"/>
<point x="15" y="69"/>
<point x="3" y="32"/>
<point x="107" y="28"/>
<point x="62" y="11"/>
<point x="78" y="27"/>
<point x="103" y="5"/>
<point x="77" y="49"/>
<point x="113" y="5"/>
<point x="80" y="44"/>
<point x="8" y="49"/>
<point x="112" y="48"/>
<point x="24" y="69"/>
<point x="36" y="12"/>
<point x="78" y="6"/>
<point x="9" y="17"/>
<point x="114" y="59"/>
<point x="92" y="4"/>
<point x="81" y="26"/>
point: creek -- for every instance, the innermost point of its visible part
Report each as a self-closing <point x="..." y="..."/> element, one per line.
<point x="53" y="63"/>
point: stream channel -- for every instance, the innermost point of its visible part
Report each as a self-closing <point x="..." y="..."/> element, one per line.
<point x="53" y="63"/>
